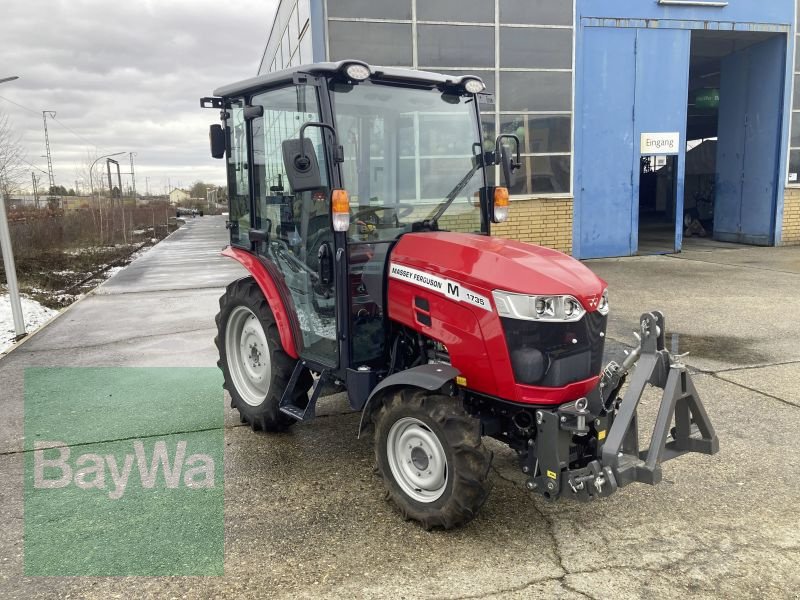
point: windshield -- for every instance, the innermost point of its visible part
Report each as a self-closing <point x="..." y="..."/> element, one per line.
<point x="406" y="151"/>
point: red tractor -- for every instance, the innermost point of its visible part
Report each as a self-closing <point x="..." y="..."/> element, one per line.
<point x="361" y="203"/>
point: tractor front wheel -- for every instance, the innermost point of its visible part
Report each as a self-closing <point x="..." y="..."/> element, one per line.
<point x="255" y="368"/>
<point x="430" y="454"/>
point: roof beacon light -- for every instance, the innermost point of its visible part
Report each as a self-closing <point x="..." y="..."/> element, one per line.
<point x="474" y="86"/>
<point x="357" y="72"/>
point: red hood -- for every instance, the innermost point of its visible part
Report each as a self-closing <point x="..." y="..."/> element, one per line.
<point x="498" y="264"/>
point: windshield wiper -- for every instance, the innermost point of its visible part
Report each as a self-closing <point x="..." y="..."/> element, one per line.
<point x="456" y="191"/>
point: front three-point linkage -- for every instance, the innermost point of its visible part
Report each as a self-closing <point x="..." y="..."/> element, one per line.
<point x="680" y="403"/>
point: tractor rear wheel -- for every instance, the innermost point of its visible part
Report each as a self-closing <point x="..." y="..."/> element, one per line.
<point x="255" y="368"/>
<point x="430" y="454"/>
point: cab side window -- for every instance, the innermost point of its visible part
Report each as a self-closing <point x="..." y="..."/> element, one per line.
<point x="238" y="174"/>
<point x="297" y="219"/>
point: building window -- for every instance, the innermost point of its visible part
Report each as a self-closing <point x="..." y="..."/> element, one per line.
<point x="539" y="134"/>
<point x="455" y="46"/>
<point x="369" y="9"/>
<point x="294" y="36"/>
<point x="285" y="52"/>
<point x="536" y="12"/>
<point x="385" y="44"/>
<point x="793" y="178"/>
<point x="794" y="165"/>
<point x="540" y="91"/>
<point x="302" y="14"/>
<point x="455" y="10"/>
<point x="306" y="49"/>
<point x="520" y="47"/>
<point x="542" y="175"/>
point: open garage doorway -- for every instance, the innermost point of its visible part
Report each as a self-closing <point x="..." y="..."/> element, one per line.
<point x="678" y="137"/>
<point x="731" y="154"/>
<point x="732" y="137"/>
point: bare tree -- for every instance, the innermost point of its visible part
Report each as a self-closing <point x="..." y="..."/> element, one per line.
<point x="12" y="166"/>
<point x="92" y="180"/>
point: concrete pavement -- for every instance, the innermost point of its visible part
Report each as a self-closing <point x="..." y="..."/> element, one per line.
<point x="305" y="516"/>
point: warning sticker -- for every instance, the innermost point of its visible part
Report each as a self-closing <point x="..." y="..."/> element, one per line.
<point x="451" y="289"/>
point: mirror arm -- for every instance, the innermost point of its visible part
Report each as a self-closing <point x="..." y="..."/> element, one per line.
<point x="338" y="153"/>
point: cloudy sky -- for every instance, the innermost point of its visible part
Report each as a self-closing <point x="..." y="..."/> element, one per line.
<point x="126" y="76"/>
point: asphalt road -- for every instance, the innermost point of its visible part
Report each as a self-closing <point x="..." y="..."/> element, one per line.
<point x="305" y="515"/>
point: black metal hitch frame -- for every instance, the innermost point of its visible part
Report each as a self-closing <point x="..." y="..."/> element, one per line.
<point x="621" y="461"/>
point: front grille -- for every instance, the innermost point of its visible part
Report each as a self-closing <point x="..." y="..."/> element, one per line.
<point x="555" y="354"/>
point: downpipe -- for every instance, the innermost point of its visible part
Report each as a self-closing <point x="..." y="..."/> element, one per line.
<point x="601" y="430"/>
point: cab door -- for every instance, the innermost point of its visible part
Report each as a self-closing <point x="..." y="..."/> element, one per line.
<point x="298" y="238"/>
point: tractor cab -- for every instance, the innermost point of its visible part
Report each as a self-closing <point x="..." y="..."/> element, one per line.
<point x="328" y="165"/>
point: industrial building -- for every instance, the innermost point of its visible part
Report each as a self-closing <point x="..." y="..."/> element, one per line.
<point x="646" y="124"/>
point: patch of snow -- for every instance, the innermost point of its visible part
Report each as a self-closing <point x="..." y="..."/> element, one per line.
<point x="112" y="271"/>
<point x="34" y="314"/>
<point x="86" y="250"/>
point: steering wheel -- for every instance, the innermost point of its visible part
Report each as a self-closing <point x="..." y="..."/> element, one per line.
<point x="364" y="214"/>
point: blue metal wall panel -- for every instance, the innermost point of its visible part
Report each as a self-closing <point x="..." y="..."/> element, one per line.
<point x="748" y="152"/>
<point x="604" y="181"/>
<point x="730" y="145"/>
<point x="633" y="81"/>
<point x="662" y="88"/>
<point x="762" y="140"/>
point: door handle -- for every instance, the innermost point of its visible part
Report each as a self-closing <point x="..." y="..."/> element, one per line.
<point x="325" y="256"/>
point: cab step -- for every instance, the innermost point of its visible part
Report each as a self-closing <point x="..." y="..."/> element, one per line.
<point x="299" y="412"/>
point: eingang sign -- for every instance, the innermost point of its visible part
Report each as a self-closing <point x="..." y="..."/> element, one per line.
<point x="660" y="143"/>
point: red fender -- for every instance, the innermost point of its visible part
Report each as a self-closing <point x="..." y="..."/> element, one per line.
<point x="259" y="272"/>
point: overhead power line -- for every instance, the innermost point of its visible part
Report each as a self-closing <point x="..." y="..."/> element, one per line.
<point x="30" y="164"/>
<point x="67" y="127"/>
<point x="30" y="110"/>
<point x="77" y="135"/>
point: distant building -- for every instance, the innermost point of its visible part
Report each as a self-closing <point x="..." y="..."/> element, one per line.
<point x="178" y="196"/>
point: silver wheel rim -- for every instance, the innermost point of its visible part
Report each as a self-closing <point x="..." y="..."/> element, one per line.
<point x="417" y="460"/>
<point x="248" y="356"/>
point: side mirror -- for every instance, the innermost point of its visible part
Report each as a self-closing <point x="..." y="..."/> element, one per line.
<point x="302" y="167"/>
<point x="216" y="135"/>
<point x="507" y="163"/>
<point x="300" y="160"/>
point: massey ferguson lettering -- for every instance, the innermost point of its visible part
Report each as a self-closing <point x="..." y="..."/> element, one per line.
<point x="451" y="289"/>
<point x="425" y="280"/>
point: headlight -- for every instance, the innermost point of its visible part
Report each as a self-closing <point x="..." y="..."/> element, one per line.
<point x="538" y="308"/>
<point x="602" y="308"/>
